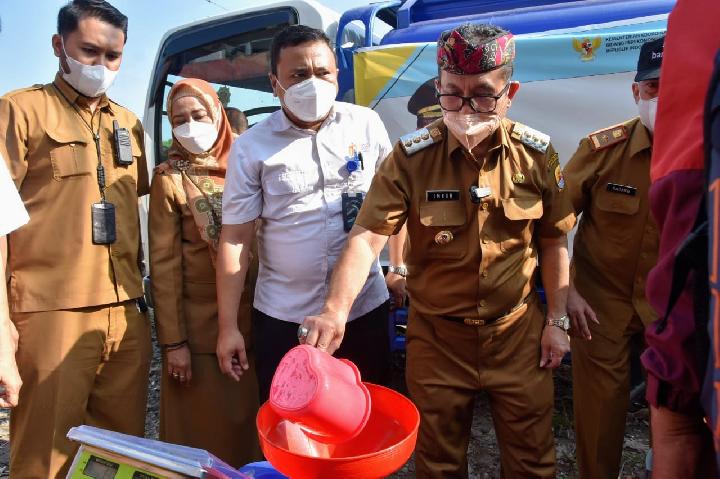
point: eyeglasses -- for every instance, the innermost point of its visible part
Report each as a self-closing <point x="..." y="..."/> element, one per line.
<point x="479" y="103"/>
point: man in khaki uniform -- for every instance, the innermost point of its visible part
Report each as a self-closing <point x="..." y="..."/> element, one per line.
<point x="616" y="245"/>
<point x="84" y="344"/>
<point x="481" y="196"/>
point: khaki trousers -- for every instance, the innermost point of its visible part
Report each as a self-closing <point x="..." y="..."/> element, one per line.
<point x="213" y="412"/>
<point x="448" y="363"/>
<point x="81" y="366"/>
<point x="601" y="396"/>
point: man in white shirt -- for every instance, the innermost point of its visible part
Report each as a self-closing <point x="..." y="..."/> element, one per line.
<point x="13" y="217"/>
<point x="300" y="171"/>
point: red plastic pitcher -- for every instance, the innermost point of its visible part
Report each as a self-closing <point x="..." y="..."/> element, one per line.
<point x="322" y="394"/>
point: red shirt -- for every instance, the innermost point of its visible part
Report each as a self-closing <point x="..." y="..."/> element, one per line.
<point x="677" y="173"/>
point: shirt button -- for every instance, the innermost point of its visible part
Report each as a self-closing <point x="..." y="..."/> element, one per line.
<point x="482" y="303"/>
<point x="483" y="274"/>
<point x="484" y="206"/>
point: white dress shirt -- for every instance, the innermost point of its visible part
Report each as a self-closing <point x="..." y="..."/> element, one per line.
<point x="14" y="214"/>
<point x="293" y="179"/>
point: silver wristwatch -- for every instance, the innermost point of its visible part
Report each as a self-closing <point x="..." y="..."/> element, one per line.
<point x="562" y="322"/>
<point x="399" y="270"/>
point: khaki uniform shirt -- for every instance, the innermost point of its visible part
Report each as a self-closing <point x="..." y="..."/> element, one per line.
<point x="488" y="266"/>
<point x="183" y="276"/>
<point x="617" y="240"/>
<point x="52" y="158"/>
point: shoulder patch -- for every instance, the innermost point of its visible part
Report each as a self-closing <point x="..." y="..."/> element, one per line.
<point x="530" y="137"/>
<point x="420" y="139"/>
<point x="608" y="137"/>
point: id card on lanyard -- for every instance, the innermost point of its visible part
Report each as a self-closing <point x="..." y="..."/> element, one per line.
<point x="102" y="213"/>
<point x="352" y="198"/>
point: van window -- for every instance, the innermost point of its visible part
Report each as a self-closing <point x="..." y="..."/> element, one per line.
<point x="237" y="67"/>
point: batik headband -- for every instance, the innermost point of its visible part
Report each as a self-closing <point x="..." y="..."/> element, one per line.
<point x="456" y="55"/>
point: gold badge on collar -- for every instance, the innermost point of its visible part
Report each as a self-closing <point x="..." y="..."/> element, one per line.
<point x="444" y="237"/>
<point x="518" y="178"/>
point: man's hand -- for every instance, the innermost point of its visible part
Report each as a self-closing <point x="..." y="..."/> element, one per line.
<point x="397" y="285"/>
<point x="10" y="381"/>
<point x="179" y="365"/>
<point x="231" y="353"/>
<point x="580" y="313"/>
<point x="14" y="335"/>
<point x="325" y="331"/>
<point x="554" y="344"/>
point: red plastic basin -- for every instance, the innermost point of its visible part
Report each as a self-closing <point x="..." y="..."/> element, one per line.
<point x="381" y="448"/>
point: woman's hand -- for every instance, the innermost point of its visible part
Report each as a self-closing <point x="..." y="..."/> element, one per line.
<point x="179" y="365"/>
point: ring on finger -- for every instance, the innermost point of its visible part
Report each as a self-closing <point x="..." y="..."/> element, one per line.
<point x="302" y="333"/>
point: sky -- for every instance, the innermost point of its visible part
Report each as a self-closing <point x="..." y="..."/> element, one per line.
<point x="26" y="56"/>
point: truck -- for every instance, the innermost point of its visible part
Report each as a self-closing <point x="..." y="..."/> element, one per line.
<point x="231" y="51"/>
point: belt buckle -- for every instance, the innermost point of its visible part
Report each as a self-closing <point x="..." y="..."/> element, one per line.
<point x="474" y="322"/>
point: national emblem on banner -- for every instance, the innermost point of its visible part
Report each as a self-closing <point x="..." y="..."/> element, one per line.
<point x="587" y="48"/>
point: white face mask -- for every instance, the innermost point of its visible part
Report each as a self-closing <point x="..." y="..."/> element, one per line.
<point x="90" y="80"/>
<point x="648" y="110"/>
<point x="471" y="129"/>
<point x="197" y="137"/>
<point x="311" y="99"/>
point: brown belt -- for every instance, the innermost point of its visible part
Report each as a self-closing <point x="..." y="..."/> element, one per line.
<point x="483" y="322"/>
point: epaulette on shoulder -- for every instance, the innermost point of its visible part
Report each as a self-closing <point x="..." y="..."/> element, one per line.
<point x="530" y="137"/>
<point x="420" y="139"/>
<point x="37" y="86"/>
<point x="118" y="104"/>
<point x="602" y="139"/>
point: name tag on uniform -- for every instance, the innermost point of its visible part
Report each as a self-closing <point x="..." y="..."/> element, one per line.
<point x="622" y="189"/>
<point x="442" y="195"/>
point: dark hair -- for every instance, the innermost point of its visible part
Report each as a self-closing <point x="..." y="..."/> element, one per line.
<point x="238" y="120"/>
<point x="293" y="36"/>
<point x="478" y="33"/>
<point x="70" y="15"/>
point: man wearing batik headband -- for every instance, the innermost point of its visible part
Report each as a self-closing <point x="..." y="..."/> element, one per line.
<point x="482" y="197"/>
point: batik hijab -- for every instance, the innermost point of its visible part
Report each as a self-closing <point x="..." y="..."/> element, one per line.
<point x="200" y="179"/>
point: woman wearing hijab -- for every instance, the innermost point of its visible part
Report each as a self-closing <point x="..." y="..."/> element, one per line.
<point x="199" y="406"/>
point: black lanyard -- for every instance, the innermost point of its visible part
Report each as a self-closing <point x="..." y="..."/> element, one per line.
<point x="96" y="138"/>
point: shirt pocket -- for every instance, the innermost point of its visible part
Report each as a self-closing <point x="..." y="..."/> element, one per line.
<point x="287" y="182"/>
<point x="619" y="203"/>
<point x="443" y="217"/>
<point x="615" y="217"/>
<point x="519" y="214"/>
<point x="69" y="156"/>
<point x="287" y="192"/>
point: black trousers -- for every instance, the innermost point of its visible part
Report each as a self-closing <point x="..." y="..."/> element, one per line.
<point x="366" y="343"/>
